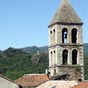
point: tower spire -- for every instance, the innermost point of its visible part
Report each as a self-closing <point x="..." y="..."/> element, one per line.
<point x="65" y="1"/>
<point x="65" y="14"/>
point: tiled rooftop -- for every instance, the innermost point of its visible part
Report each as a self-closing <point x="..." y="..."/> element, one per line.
<point x="32" y="80"/>
<point x="82" y="85"/>
<point x="58" y="84"/>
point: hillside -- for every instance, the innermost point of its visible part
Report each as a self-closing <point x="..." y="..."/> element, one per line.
<point x="86" y="49"/>
<point x="17" y="62"/>
<point x="34" y="49"/>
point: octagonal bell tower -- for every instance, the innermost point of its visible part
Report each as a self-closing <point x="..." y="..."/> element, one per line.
<point x="66" y="44"/>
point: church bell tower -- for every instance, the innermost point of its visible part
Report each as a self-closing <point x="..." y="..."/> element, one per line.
<point x="66" y="44"/>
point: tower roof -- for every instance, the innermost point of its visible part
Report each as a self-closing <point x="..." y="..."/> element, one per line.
<point x="65" y="14"/>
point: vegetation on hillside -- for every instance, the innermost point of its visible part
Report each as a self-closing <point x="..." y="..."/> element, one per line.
<point x="14" y="63"/>
<point x="86" y="67"/>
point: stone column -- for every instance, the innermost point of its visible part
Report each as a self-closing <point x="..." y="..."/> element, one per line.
<point x="70" y="36"/>
<point x="70" y="57"/>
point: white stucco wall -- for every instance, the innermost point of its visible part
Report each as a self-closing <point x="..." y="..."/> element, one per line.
<point x="4" y="83"/>
<point x="58" y="84"/>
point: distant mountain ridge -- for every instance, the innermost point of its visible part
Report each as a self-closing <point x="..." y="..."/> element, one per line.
<point x="0" y="51"/>
<point x="85" y="49"/>
<point x="35" y="49"/>
<point x="17" y="62"/>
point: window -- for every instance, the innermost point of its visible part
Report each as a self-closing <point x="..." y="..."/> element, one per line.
<point x="54" y="36"/>
<point x="54" y="30"/>
<point x="54" y="51"/>
<point x="74" y="35"/>
<point x="64" y="35"/>
<point x="51" y="58"/>
<point x="50" y="32"/>
<point x="54" y="57"/>
<point x="65" y="57"/>
<point x="50" y="37"/>
<point x="74" y="57"/>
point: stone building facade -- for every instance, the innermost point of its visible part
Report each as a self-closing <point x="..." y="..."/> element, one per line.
<point x="66" y="44"/>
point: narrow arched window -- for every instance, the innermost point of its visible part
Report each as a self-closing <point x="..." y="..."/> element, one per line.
<point x="54" y="30"/>
<point x="51" y="52"/>
<point x="54" y="57"/>
<point x="74" y="35"/>
<point x="64" y="35"/>
<point x="54" y="36"/>
<point x="74" y="57"/>
<point x="50" y="37"/>
<point x="51" y="58"/>
<point x="50" y="32"/>
<point x="54" y="51"/>
<point x="65" y="57"/>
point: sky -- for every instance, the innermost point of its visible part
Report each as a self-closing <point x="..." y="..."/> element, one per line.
<point x="25" y="23"/>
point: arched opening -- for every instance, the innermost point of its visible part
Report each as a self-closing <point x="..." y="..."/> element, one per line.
<point x="50" y="32"/>
<point x="20" y="87"/>
<point x="74" y="35"/>
<point x="54" y="30"/>
<point x="74" y="57"/>
<point x="64" y="35"/>
<point x="54" y="36"/>
<point x="51" y="37"/>
<point x="54" y="51"/>
<point x="51" y="58"/>
<point x="65" y="57"/>
<point x="54" y="54"/>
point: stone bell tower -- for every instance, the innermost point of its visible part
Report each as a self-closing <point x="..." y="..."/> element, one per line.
<point x="66" y="44"/>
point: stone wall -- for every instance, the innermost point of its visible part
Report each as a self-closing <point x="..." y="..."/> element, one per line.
<point x="70" y="72"/>
<point x="4" y="83"/>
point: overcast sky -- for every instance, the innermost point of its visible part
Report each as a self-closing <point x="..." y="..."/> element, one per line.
<point x="25" y="22"/>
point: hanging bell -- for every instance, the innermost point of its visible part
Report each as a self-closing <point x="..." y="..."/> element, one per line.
<point x="65" y="35"/>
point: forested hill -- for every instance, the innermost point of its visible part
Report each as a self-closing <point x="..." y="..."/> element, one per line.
<point x="17" y="62"/>
<point x="35" y="49"/>
<point x="86" y="49"/>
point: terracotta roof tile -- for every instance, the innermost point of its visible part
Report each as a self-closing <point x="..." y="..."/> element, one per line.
<point x="32" y="80"/>
<point x="82" y="85"/>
